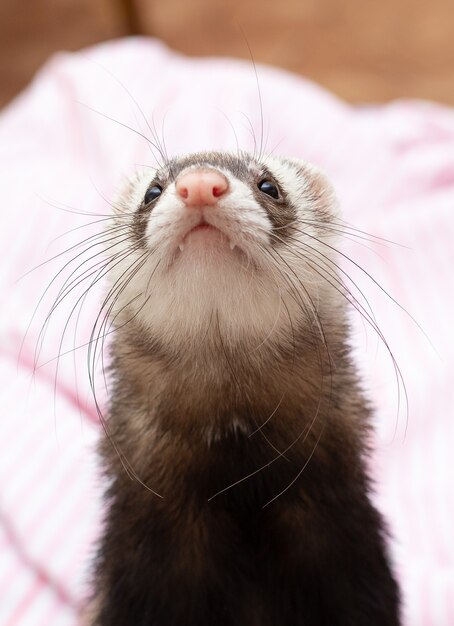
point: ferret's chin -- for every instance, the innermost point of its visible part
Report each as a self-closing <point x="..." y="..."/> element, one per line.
<point x="204" y="238"/>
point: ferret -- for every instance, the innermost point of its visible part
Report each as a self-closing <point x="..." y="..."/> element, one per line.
<point x="237" y="432"/>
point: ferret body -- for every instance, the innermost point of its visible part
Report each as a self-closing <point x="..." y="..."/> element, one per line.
<point x="237" y="429"/>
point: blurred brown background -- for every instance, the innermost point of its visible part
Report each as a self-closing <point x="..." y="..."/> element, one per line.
<point x="365" y="51"/>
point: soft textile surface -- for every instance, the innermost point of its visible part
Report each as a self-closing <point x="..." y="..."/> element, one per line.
<point x="393" y="167"/>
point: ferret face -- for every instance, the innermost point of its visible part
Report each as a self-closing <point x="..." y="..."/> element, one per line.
<point x="225" y="241"/>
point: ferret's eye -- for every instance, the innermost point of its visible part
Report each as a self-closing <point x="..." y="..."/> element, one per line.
<point x="152" y="193"/>
<point x="266" y="186"/>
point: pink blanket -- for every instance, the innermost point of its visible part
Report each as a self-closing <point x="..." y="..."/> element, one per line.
<point x="393" y="167"/>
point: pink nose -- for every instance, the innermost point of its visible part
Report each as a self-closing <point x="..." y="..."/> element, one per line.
<point x="201" y="187"/>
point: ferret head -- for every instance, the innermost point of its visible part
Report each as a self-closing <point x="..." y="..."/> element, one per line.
<point x="216" y="242"/>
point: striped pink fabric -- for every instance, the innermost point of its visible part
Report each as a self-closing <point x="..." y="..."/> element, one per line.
<point x="393" y="167"/>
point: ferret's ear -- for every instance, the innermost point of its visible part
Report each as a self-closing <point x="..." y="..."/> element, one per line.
<point x="318" y="188"/>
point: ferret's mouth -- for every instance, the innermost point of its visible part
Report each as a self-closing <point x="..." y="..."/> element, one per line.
<point x="204" y="232"/>
<point x="202" y="226"/>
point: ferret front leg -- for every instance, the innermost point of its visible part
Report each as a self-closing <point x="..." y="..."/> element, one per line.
<point x="159" y="573"/>
<point x="330" y="568"/>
